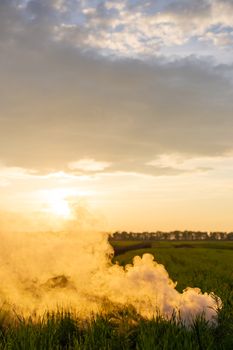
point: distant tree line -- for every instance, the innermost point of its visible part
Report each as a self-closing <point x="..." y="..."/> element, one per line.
<point x="172" y="236"/>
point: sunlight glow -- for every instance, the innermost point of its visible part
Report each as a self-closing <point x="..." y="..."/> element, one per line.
<point x="59" y="207"/>
<point x="57" y="203"/>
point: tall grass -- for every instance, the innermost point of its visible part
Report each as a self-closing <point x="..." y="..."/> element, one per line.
<point x="119" y="329"/>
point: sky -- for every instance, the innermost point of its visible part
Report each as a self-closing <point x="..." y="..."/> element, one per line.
<point x="122" y="107"/>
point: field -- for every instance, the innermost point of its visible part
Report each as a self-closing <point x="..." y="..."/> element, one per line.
<point x="207" y="265"/>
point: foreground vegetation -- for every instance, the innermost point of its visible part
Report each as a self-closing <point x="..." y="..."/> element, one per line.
<point x="122" y="329"/>
<point x="207" y="265"/>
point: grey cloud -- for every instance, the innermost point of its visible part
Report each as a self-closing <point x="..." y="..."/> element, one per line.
<point x="60" y="104"/>
<point x="192" y="8"/>
<point x="120" y="27"/>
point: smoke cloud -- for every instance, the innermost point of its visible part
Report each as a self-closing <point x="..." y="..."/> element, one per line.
<point x="73" y="269"/>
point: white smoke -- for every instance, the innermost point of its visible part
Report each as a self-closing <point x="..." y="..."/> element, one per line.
<point x="73" y="269"/>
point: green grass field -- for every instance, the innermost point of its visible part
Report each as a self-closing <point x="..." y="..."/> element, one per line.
<point x="207" y="265"/>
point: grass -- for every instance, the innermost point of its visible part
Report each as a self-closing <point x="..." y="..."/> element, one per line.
<point x="119" y="330"/>
<point x="207" y="265"/>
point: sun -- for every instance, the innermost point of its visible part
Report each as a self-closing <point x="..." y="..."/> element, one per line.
<point x="60" y="207"/>
<point x="57" y="203"/>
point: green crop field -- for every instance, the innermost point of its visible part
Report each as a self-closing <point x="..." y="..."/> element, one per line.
<point x="207" y="265"/>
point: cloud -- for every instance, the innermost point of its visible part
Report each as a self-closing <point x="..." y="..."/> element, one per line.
<point x="122" y="27"/>
<point x="129" y="28"/>
<point x="194" y="164"/>
<point x="61" y="101"/>
<point x="88" y="165"/>
<point x="220" y="39"/>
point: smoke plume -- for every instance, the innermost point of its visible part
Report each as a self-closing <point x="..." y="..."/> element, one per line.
<point x="73" y="269"/>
